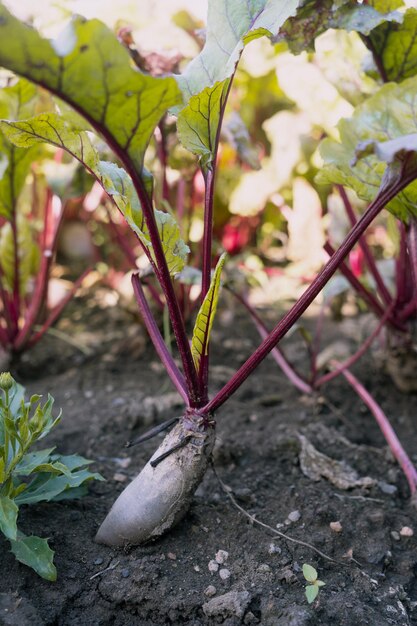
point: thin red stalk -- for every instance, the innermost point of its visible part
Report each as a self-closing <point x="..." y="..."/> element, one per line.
<point x="390" y="436"/>
<point x="352" y="359"/>
<point x="56" y="312"/>
<point x="309" y="295"/>
<point x="160" y="264"/>
<point x="408" y="311"/>
<point x="412" y="251"/>
<point x="276" y="353"/>
<point x="206" y="266"/>
<point x="4" y="338"/>
<point x="41" y="286"/>
<point x="157" y="339"/>
<point x="380" y="285"/>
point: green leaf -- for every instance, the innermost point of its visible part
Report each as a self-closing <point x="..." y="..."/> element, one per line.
<point x="36" y="553"/>
<point x="8" y="517"/>
<point x="46" y="487"/>
<point x="205" y="317"/>
<point x="312" y="591"/>
<point x="231" y="24"/>
<point x="320" y="583"/>
<point x="314" y="17"/>
<point x="385" y="116"/>
<point x="396" y="46"/>
<point x="88" y="68"/>
<point x="309" y="573"/>
<point x="198" y="122"/>
<point x="31" y="461"/>
<point x="53" y="129"/>
<point x="16" y="103"/>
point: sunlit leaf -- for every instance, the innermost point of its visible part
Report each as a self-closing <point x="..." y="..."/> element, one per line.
<point x="309" y="573"/>
<point x="36" y="553"/>
<point x="89" y="69"/>
<point x="396" y="46"/>
<point x="384" y="117"/>
<point x="231" y="24"/>
<point x="314" y="17"/>
<point x="205" y="317"/>
<point x="312" y="592"/>
<point x="27" y="253"/>
<point x="8" y="517"/>
<point x="52" y="128"/>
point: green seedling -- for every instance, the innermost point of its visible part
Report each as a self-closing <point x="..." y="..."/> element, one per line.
<point x="28" y="477"/>
<point x="313" y="588"/>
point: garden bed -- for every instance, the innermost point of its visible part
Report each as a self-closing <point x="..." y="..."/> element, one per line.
<point x="114" y="392"/>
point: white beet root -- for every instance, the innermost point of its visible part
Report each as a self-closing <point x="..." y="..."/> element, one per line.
<point x="159" y="496"/>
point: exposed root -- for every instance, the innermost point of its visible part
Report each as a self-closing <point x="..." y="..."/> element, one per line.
<point x="160" y="496"/>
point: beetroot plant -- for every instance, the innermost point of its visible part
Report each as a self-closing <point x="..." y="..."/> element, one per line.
<point x="88" y="69"/>
<point x="30" y="219"/>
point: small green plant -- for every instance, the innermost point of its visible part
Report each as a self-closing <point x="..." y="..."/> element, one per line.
<point x="28" y="477"/>
<point x="313" y="588"/>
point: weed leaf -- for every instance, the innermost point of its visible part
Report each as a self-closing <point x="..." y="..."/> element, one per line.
<point x="8" y="517"/>
<point x="36" y="553"/>
<point x="311" y="593"/>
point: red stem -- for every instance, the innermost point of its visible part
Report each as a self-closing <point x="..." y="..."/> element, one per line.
<point x="380" y="285"/>
<point x="310" y="294"/>
<point x="390" y="436"/>
<point x="157" y="340"/>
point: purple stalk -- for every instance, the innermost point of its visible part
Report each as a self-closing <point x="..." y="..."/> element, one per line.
<point x="157" y="340"/>
<point x="357" y="355"/>
<point x="380" y="285"/>
<point x="276" y="353"/>
<point x="206" y="266"/>
<point x="6" y="305"/>
<point x="390" y="436"/>
<point x="311" y="292"/>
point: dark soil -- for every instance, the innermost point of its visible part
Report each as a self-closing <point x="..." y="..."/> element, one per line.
<point x="118" y="389"/>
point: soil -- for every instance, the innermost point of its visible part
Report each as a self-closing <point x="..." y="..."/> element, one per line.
<point x="114" y="389"/>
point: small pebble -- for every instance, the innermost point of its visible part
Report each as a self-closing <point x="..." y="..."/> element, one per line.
<point x="119" y="478"/>
<point x="98" y="561"/>
<point x="125" y="573"/>
<point x="336" y="527"/>
<point x="221" y="556"/>
<point x="210" y="591"/>
<point x="395" y="535"/>
<point x="213" y="566"/>
<point x="171" y="556"/>
<point x="196" y="568"/>
<point x="294" y="516"/>
<point x="406" y="531"/>
<point x="387" y="488"/>
<point x="224" y="574"/>
<point x="273" y="549"/>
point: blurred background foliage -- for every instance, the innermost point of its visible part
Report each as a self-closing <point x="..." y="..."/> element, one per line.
<point x="270" y="216"/>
